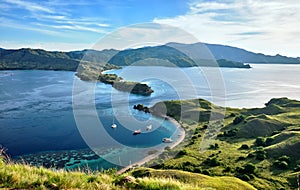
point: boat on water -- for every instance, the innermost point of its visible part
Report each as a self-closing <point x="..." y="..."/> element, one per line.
<point x="149" y="127"/>
<point x="114" y="126"/>
<point x="136" y="132"/>
<point x="167" y="140"/>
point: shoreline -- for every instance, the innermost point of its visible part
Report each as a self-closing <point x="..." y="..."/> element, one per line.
<point x="161" y="150"/>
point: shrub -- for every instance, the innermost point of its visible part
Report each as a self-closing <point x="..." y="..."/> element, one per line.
<point x="261" y="154"/>
<point x="227" y="169"/>
<point x="244" y="146"/>
<point x="212" y="162"/>
<point x="206" y="172"/>
<point x="182" y="152"/>
<point x="215" y="146"/>
<point x="249" y="168"/>
<point x="230" y="133"/>
<point x="245" y="177"/>
<point x="297" y="168"/>
<point x="281" y="164"/>
<point x="285" y="158"/>
<point x="260" y="141"/>
<point x="241" y="158"/>
<point x="238" y="119"/>
<point x="198" y="170"/>
<point x="232" y="115"/>
<point x="269" y="140"/>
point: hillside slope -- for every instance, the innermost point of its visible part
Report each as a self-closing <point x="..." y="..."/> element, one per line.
<point x="18" y="176"/>
<point x="261" y="145"/>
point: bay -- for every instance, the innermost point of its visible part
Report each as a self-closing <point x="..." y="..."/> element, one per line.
<point x="36" y="113"/>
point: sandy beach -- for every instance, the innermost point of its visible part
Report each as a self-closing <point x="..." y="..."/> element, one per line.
<point x="161" y="150"/>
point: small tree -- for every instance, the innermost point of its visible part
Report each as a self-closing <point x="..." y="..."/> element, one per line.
<point x="244" y="146"/>
<point x="260" y="141"/>
<point x="269" y="140"/>
<point x="250" y="168"/>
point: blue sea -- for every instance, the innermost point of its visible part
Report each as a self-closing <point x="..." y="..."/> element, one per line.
<point x="51" y="115"/>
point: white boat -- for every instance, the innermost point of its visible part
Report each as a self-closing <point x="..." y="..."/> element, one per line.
<point x="149" y="127"/>
<point x="167" y="140"/>
<point x="136" y="132"/>
<point x="114" y="125"/>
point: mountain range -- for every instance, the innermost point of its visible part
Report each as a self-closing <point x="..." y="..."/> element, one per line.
<point x="176" y="54"/>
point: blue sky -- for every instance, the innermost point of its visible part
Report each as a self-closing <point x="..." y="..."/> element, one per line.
<point x="265" y="26"/>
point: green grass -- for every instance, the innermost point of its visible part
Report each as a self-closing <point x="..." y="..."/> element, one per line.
<point x="20" y="176"/>
<point x="278" y="123"/>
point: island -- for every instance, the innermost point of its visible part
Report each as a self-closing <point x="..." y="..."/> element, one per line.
<point x="126" y="86"/>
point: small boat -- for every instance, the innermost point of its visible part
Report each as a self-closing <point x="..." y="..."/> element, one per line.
<point x="114" y="126"/>
<point x="167" y="140"/>
<point x="136" y="132"/>
<point x="149" y="127"/>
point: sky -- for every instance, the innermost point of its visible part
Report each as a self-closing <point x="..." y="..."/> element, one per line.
<point x="262" y="26"/>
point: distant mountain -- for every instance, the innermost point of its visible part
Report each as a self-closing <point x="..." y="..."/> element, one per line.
<point x="169" y="55"/>
<point x="157" y="55"/>
<point x="176" y="54"/>
<point x="241" y="55"/>
<point x="26" y="58"/>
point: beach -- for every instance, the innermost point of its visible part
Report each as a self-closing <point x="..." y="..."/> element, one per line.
<point x="160" y="150"/>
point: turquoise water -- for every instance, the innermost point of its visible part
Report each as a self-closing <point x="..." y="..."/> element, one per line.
<point x="37" y="119"/>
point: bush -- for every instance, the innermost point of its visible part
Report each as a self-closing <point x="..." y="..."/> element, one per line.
<point x="244" y="146"/>
<point x="261" y="154"/>
<point x="206" y="172"/>
<point x="281" y="164"/>
<point x="251" y="155"/>
<point x="182" y="152"/>
<point x="260" y="141"/>
<point x="198" y="170"/>
<point x="238" y="119"/>
<point x="232" y="115"/>
<point x="249" y="168"/>
<point x="297" y="168"/>
<point x="245" y="177"/>
<point x="269" y="140"/>
<point x="227" y="169"/>
<point x="230" y="133"/>
<point x="214" y="147"/>
<point x="241" y="158"/>
<point x="285" y="158"/>
<point x="212" y="162"/>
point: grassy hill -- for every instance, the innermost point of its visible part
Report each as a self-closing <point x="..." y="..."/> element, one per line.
<point x="260" y="146"/>
<point x="18" y="176"/>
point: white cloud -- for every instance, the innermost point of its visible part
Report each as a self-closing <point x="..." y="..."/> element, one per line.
<point x="269" y="27"/>
<point x="50" y="20"/>
<point x="32" y="7"/>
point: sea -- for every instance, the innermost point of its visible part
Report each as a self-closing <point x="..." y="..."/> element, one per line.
<point x="54" y="119"/>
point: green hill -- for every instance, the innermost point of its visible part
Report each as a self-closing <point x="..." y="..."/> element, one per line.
<point x="36" y="59"/>
<point x="167" y="56"/>
<point x="260" y="146"/>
